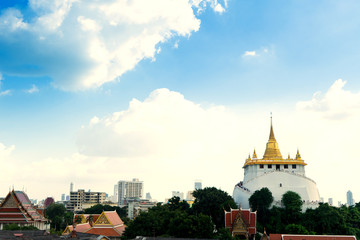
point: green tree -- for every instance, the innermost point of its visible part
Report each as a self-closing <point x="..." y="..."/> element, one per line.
<point x="56" y="214"/>
<point x="171" y="219"/>
<point x="293" y="205"/>
<point x="296" y="229"/>
<point x="212" y="202"/>
<point x="261" y="201"/>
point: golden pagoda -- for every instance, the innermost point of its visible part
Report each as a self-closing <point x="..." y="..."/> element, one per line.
<point x="272" y="153"/>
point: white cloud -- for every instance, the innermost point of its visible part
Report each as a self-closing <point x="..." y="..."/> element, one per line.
<point x="1" y="77"/>
<point x="6" y="151"/>
<point x="5" y="93"/>
<point x="336" y="103"/>
<point x="33" y="89"/>
<point x="249" y="53"/>
<point x="160" y="138"/>
<point x="95" y="41"/>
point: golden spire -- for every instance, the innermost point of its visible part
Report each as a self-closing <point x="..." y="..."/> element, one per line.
<point x="298" y="156"/>
<point x="254" y="154"/>
<point x="272" y="149"/>
<point x="289" y="156"/>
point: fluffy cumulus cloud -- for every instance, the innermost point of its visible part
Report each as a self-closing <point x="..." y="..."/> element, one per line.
<point x="164" y="137"/>
<point x="336" y="103"/>
<point x="82" y="44"/>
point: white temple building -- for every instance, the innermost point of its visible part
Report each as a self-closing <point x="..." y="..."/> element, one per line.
<point x="278" y="174"/>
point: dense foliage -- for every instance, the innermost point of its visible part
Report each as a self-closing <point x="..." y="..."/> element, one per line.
<point x="176" y="219"/>
<point x="58" y="216"/>
<point x="289" y="218"/>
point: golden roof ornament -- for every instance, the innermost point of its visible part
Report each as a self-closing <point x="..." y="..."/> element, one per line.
<point x="254" y="154"/>
<point x="272" y="148"/>
<point x="298" y="156"/>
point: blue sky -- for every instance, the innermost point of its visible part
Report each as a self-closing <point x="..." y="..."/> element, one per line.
<point x="71" y="70"/>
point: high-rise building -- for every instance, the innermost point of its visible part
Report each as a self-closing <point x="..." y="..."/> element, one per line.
<point x="177" y="194"/>
<point x="349" y="198"/>
<point x="330" y="201"/>
<point x="71" y="187"/>
<point x="198" y="184"/>
<point x="128" y="190"/>
<point x="148" y="196"/>
<point x="63" y="197"/>
<point x="189" y="196"/>
<point x="80" y="198"/>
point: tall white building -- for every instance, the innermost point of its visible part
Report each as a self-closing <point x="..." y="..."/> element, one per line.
<point x="128" y="190"/>
<point x="276" y="173"/>
<point x="349" y="198"/>
<point x="198" y="184"/>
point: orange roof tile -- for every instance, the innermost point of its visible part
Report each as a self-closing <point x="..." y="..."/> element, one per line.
<point x="106" y="231"/>
<point x="114" y="218"/>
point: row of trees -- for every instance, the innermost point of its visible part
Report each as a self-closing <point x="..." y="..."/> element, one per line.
<point x="289" y="218"/>
<point x="205" y="219"/>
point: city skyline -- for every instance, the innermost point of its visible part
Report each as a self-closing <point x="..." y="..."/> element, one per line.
<point x="171" y="91"/>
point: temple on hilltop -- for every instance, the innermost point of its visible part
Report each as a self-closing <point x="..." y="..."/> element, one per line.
<point x="17" y="208"/>
<point x="276" y="173"/>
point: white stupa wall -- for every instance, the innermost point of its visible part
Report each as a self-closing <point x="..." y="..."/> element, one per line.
<point x="279" y="182"/>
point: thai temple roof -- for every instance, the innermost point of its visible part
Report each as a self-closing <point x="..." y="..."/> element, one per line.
<point x="108" y="223"/>
<point x="272" y="153"/>
<point x="17" y="208"/>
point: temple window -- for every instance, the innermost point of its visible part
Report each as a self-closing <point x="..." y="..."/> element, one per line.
<point x="294" y="166"/>
<point x="269" y="166"/>
<point x="261" y="165"/>
<point x="286" y="166"/>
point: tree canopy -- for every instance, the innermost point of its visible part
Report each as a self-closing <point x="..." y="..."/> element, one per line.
<point x="212" y="202"/>
<point x="177" y="219"/>
<point x="58" y="216"/>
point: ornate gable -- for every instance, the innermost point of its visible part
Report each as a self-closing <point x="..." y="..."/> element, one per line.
<point x="10" y="202"/>
<point x="240" y="225"/>
<point x="103" y="220"/>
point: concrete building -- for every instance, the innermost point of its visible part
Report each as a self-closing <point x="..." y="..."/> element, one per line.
<point x="278" y="174"/>
<point x="349" y="198"/>
<point x="129" y="190"/>
<point x="177" y="194"/>
<point x="330" y="201"/>
<point x="80" y="200"/>
<point x="198" y="185"/>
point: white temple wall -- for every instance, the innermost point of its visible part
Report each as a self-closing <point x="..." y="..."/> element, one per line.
<point x="278" y="182"/>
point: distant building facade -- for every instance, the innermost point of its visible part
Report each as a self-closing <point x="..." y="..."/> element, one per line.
<point x="129" y="190"/>
<point x="177" y="194"/>
<point x="198" y="185"/>
<point x="80" y="200"/>
<point x="349" y="198"/>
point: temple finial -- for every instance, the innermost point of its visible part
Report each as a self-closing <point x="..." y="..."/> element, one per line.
<point x="272" y="136"/>
<point x="298" y="156"/>
<point x="254" y="154"/>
